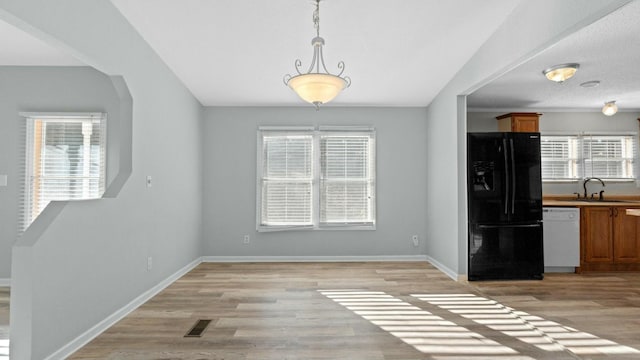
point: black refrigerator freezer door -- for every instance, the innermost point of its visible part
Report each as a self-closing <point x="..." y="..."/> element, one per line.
<point x="526" y="188"/>
<point x="487" y="178"/>
<point x="505" y="252"/>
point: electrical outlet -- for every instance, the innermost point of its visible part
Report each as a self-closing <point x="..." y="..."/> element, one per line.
<point x="247" y="239"/>
<point x="415" y="240"/>
<point x="149" y="263"/>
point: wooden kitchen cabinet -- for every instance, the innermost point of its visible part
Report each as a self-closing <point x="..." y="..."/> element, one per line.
<point x="519" y="122"/>
<point x="610" y="239"/>
<point x="626" y="237"/>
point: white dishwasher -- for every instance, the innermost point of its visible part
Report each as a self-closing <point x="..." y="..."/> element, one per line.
<point x="561" y="239"/>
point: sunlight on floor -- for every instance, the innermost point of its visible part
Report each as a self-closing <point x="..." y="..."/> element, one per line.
<point x="544" y="334"/>
<point x="4" y="349"/>
<point x="426" y="332"/>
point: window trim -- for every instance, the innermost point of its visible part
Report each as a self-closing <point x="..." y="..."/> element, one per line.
<point x="316" y="133"/>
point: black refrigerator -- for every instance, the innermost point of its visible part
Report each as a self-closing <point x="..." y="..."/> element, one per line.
<point x="505" y="206"/>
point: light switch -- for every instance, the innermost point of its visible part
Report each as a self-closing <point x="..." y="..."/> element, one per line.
<point x="149" y="181"/>
<point x="3" y="180"/>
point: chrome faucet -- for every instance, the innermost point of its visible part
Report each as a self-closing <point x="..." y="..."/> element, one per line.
<point x="584" y="185"/>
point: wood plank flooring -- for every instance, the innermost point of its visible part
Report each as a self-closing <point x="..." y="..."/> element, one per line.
<point x="4" y="323"/>
<point x="378" y="311"/>
<point x="4" y="313"/>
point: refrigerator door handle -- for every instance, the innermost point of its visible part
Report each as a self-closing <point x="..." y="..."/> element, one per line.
<point x="506" y="177"/>
<point x="509" y="226"/>
<point x="513" y="179"/>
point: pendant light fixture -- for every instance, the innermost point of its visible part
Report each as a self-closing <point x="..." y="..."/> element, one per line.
<point x="610" y="108"/>
<point x="317" y="86"/>
<point x="562" y="72"/>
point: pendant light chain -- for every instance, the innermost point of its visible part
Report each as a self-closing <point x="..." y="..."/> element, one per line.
<point x="317" y="86"/>
<point x="316" y="18"/>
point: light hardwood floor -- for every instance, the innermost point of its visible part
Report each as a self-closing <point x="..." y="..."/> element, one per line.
<point x="4" y="323"/>
<point x="378" y="311"/>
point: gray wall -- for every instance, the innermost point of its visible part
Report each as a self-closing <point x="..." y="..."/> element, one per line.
<point x="230" y="183"/>
<point x="528" y="30"/>
<point x="573" y="122"/>
<point x="46" y="89"/>
<point x="92" y="258"/>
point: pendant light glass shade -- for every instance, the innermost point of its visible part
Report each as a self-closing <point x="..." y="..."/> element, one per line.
<point x="560" y="73"/>
<point x="610" y="108"/>
<point x="317" y="86"/>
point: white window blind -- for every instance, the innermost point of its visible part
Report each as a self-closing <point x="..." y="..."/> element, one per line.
<point x="559" y="157"/>
<point x="609" y="156"/>
<point x="316" y="179"/>
<point x="346" y="179"/>
<point x="572" y="157"/>
<point x="287" y="180"/>
<point x="65" y="160"/>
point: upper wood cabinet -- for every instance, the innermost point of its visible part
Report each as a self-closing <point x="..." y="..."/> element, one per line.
<point x="519" y="122"/>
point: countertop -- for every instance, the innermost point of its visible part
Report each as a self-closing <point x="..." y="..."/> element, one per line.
<point x="566" y="202"/>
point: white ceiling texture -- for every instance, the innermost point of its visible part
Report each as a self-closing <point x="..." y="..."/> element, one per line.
<point x="397" y="53"/>
<point x="607" y="51"/>
<point x="18" y="48"/>
<point x="236" y="52"/>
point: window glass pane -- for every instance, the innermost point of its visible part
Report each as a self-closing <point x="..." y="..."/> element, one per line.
<point x="346" y="202"/>
<point x="346" y="188"/>
<point x="559" y="157"/>
<point x="66" y="160"/>
<point x="286" y="203"/>
<point x="608" y="157"/>
<point x="287" y="186"/>
<point x="287" y="156"/>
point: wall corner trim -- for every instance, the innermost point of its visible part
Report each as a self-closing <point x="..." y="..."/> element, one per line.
<point x="449" y="272"/>
<point x="5" y="282"/>
<point x="109" y="321"/>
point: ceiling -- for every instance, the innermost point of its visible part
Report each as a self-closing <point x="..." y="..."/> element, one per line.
<point x="236" y="52"/>
<point x="397" y="53"/>
<point x="607" y="50"/>
<point x="21" y="49"/>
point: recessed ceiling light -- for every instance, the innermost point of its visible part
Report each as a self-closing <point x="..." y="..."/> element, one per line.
<point x="562" y="72"/>
<point x="590" y="84"/>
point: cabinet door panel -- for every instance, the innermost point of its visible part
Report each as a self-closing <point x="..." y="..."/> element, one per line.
<point x="525" y="124"/>
<point x="626" y="241"/>
<point x="598" y="233"/>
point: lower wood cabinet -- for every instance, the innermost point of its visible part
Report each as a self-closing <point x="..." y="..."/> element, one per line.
<point x="609" y="239"/>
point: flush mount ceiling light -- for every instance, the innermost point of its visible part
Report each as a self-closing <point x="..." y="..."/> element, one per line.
<point x="562" y="72"/>
<point x="317" y="86"/>
<point x="610" y="108"/>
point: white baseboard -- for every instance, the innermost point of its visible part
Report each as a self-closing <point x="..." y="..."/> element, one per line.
<point x="241" y="259"/>
<point x="103" y="325"/>
<point x="449" y="272"/>
<point x="5" y="282"/>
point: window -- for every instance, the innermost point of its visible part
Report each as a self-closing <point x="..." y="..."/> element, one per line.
<point x="559" y="157"/>
<point x="316" y="179"/>
<point x="572" y="157"/>
<point x="65" y="159"/>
